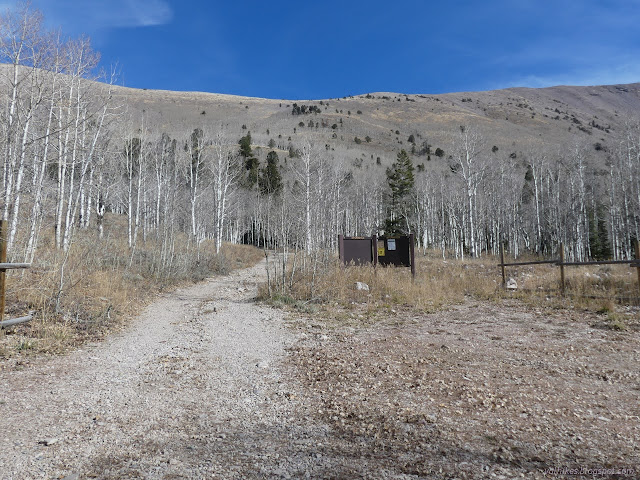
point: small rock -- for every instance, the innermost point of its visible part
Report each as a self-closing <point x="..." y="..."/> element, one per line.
<point x="362" y="286"/>
<point x="262" y="364"/>
<point x="512" y="284"/>
<point x="48" y="441"/>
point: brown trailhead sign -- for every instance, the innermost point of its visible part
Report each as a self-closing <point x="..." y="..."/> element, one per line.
<point x="396" y="251"/>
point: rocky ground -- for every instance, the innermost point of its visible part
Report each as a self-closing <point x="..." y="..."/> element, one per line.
<point x="479" y="391"/>
<point x="209" y="384"/>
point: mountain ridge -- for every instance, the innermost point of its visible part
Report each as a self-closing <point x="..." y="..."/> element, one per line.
<point x="514" y="119"/>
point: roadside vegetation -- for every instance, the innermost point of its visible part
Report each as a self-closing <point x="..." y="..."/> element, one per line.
<point x="450" y="375"/>
<point x="80" y="295"/>
<point x="364" y="295"/>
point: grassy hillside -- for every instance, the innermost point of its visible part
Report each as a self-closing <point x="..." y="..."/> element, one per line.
<point x="514" y="120"/>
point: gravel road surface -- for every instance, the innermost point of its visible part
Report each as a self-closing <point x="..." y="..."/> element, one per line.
<point x="192" y="389"/>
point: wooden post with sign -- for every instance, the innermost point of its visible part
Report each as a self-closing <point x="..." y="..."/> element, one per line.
<point x="374" y="244"/>
<point x="357" y="250"/>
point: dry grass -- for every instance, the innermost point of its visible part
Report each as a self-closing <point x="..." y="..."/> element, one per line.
<point x="442" y="283"/>
<point x="103" y="285"/>
<point x="595" y="288"/>
<point x="438" y="283"/>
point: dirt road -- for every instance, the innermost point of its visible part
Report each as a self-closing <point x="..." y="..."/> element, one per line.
<point x="207" y="384"/>
<point x="192" y="389"/>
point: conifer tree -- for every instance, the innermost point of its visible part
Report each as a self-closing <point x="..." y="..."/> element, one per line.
<point x="251" y="163"/>
<point x="270" y="181"/>
<point x="401" y="188"/>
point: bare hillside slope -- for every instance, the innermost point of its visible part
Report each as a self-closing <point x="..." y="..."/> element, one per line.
<point x="514" y="120"/>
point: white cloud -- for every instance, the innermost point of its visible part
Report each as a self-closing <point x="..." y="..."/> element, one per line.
<point x="123" y="13"/>
<point x="606" y="75"/>
<point x="90" y="16"/>
<point x="145" y="13"/>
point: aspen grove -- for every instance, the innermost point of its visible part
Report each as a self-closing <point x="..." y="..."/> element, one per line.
<point x="74" y="151"/>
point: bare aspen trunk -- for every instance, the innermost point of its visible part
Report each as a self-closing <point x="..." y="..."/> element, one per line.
<point x="138" y="194"/>
<point x="18" y="187"/>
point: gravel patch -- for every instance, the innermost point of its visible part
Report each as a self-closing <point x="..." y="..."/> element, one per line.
<point x="192" y="389"/>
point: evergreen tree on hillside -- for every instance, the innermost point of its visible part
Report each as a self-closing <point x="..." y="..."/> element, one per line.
<point x="251" y="163"/>
<point x="399" y="198"/>
<point x="251" y="166"/>
<point x="245" y="146"/>
<point x="270" y="181"/>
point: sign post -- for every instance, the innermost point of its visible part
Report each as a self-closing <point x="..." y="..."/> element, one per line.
<point x="397" y="251"/>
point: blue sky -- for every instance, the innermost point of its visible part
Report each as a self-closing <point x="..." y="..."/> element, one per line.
<point x="330" y="48"/>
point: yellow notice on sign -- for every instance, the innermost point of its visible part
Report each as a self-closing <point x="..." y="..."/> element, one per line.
<point x="381" y="251"/>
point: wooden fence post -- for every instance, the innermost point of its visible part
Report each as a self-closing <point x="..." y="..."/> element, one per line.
<point x="374" y="240"/>
<point x="638" y="258"/>
<point x="3" y="259"/>
<point x="562" y="268"/>
<point x="504" y="275"/>
<point x="412" y="255"/>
